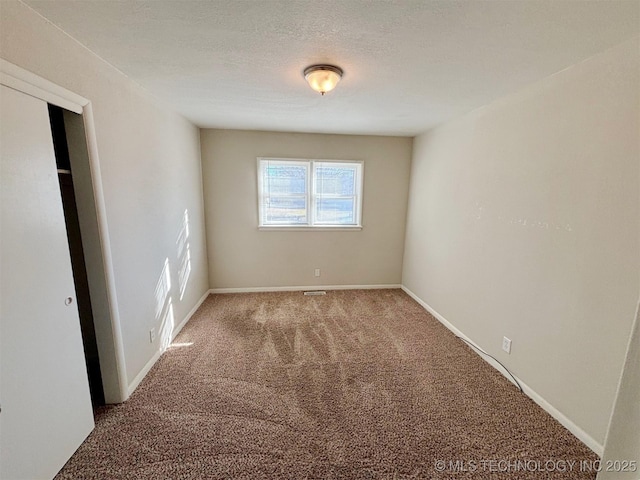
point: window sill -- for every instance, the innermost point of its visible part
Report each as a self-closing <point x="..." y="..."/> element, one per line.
<point x="274" y="228"/>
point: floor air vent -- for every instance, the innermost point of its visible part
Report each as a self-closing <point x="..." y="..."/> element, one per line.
<point x="316" y="292"/>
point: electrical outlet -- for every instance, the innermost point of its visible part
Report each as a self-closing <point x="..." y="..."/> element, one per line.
<point x="152" y="335"/>
<point x="317" y="272"/>
<point x="506" y="344"/>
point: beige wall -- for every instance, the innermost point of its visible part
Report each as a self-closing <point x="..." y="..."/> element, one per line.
<point x="524" y="222"/>
<point x="240" y="255"/>
<point x="150" y="165"/>
<point x="623" y="438"/>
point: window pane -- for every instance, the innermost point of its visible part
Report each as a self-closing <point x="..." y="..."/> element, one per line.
<point x="287" y="179"/>
<point x="289" y="188"/>
<point x="286" y="210"/>
<point x="335" y="180"/>
<point x="336" y="211"/>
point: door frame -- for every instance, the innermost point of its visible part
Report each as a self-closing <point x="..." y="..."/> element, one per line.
<point x="31" y="84"/>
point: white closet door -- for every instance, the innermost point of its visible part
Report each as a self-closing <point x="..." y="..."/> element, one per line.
<point x="44" y="391"/>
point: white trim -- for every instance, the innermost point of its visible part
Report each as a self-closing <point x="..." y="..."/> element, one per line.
<point x="621" y="379"/>
<point x="303" y="288"/>
<point x="188" y="316"/>
<point x="458" y="333"/>
<point x="103" y="228"/>
<point x="583" y="436"/>
<point x="27" y="82"/>
<point x="325" y="228"/>
<point x="143" y="373"/>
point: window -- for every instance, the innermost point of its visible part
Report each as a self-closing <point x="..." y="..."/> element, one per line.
<point x="309" y="193"/>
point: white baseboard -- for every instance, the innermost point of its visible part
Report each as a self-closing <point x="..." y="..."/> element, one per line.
<point x="143" y="373"/>
<point x="188" y="316"/>
<point x="302" y="288"/>
<point x="583" y="436"/>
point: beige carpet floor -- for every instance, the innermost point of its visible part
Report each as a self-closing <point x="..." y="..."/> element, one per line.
<point x="353" y="385"/>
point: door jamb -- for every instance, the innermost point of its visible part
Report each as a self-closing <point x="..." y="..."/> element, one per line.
<point x="31" y="84"/>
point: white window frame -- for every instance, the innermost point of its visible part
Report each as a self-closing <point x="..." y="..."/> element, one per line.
<point x="311" y="200"/>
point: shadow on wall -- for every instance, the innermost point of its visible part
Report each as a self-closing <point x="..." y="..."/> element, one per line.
<point x="164" y="304"/>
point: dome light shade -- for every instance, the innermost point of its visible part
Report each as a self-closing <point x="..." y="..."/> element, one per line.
<point x="322" y="78"/>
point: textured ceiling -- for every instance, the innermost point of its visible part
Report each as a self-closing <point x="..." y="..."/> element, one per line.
<point x="409" y="65"/>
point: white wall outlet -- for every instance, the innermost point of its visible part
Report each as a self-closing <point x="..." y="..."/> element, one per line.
<point x="152" y="335"/>
<point x="317" y="272"/>
<point x="506" y="344"/>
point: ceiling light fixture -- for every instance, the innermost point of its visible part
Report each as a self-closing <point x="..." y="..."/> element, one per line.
<point x="323" y="78"/>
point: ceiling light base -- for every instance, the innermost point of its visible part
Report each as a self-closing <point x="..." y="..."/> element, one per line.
<point x="323" y="78"/>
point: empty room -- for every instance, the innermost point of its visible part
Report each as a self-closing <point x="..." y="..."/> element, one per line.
<point x="349" y="239"/>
